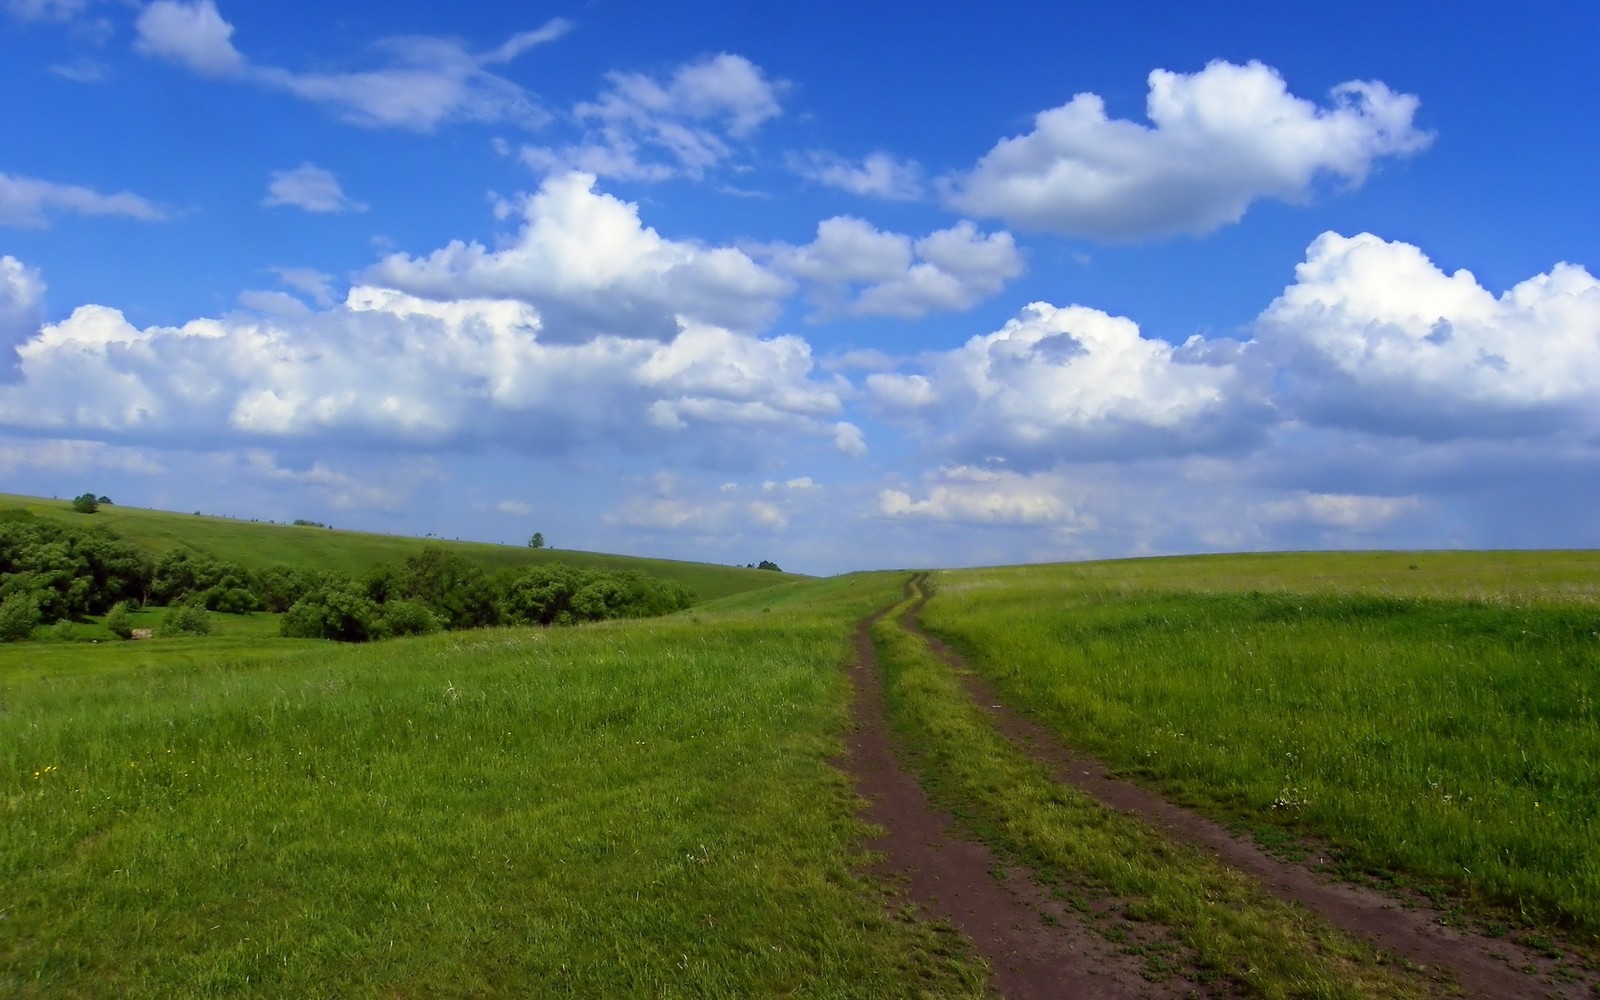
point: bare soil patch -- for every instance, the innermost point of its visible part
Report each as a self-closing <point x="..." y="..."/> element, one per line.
<point x="1409" y="926"/>
<point x="1040" y="942"/>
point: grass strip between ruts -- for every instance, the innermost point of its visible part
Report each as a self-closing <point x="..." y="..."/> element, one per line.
<point x="1231" y="925"/>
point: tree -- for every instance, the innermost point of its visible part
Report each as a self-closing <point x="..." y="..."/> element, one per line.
<point x="768" y="564"/>
<point x="88" y="503"/>
<point x="537" y="541"/>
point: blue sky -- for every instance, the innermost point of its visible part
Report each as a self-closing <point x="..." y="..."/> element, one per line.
<point x="838" y="285"/>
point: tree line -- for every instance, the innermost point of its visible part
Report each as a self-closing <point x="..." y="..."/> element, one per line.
<point x="51" y="572"/>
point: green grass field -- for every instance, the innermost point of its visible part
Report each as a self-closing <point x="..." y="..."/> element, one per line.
<point x="1215" y="919"/>
<point x="632" y="809"/>
<point x="1430" y="715"/>
<point x="257" y="545"/>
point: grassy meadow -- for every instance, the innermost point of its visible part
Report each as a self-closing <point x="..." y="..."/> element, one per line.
<point x="1195" y="913"/>
<point x="639" y="808"/>
<point x="256" y="545"/>
<point x="1432" y="716"/>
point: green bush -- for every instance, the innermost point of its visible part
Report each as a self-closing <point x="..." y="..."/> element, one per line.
<point x="119" y="621"/>
<point x="338" y="610"/>
<point x="185" y="619"/>
<point x="62" y="631"/>
<point x="407" y="618"/>
<point x="19" y="613"/>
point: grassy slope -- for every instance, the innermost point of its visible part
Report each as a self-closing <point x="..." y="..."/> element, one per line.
<point x="629" y="809"/>
<point x="1436" y="721"/>
<point x="257" y="545"/>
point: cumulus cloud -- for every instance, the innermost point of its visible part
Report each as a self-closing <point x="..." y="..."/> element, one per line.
<point x="191" y="34"/>
<point x="1060" y="384"/>
<point x="1373" y="335"/>
<point x="1217" y="141"/>
<point x="310" y="187"/>
<point x="425" y="82"/>
<point x="878" y="175"/>
<point x="591" y="267"/>
<point x="854" y="268"/>
<point x="27" y="202"/>
<point x="642" y="128"/>
<point x="392" y="369"/>
<point x="21" y="301"/>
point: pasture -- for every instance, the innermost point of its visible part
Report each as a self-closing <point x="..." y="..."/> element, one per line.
<point x="631" y="809"/>
<point x="1430" y="716"/>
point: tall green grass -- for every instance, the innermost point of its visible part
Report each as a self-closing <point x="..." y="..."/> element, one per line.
<point x="1423" y="722"/>
<point x="258" y="545"/>
<point x="1229" y="924"/>
<point x="631" y="809"/>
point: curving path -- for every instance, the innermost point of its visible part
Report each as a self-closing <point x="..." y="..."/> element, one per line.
<point x="1036" y="946"/>
<point x="1476" y="965"/>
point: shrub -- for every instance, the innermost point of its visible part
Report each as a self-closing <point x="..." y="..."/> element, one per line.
<point x="63" y="631"/>
<point x="339" y="610"/>
<point x="88" y="503"/>
<point x="185" y="619"/>
<point x="407" y="618"/>
<point x="119" y="621"/>
<point x="19" y="613"/>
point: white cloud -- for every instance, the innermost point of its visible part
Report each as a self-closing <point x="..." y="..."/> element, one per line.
<point x="1219" y="140"/>
<point x="591" y="267"/>
<point x="1337" y="511"/>
<point x="427" y="82"/>
<point x="45" y="10"/>
<point x="274" y="302"/>
<point x="82" y="70"/>
<point x="969" y="495"/>
<point x="65" y="455"/>
<point x="673" y="505"/>
<point x="1373" y="335"/>
<point x="313" y="283"/>
<point x="21" y="301"/>
<point x="310" y="187"/>
<point x="191" y="34"/>
<point x="516" y="508"/>
<point x="854" y="268"/>
<point x="381" y="489"/>
<point x="1074" y="383"/>
<point x="878" y="175"/>
<point x="645" y="129"/>
<point x="28" y="202"/>
<point x="849" y="439"/>
<point x="389" y="368"/>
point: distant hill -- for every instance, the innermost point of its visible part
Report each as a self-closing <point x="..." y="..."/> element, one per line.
<point x="258" y="544"/>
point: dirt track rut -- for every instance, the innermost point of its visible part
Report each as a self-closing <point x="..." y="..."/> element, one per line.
<point x="1036" y="946"/>
<point x="1482" y="967"/>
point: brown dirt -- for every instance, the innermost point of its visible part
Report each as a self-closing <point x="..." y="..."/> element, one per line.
<point x="1409" y="927"/>
<point x="1037" y="945"/>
